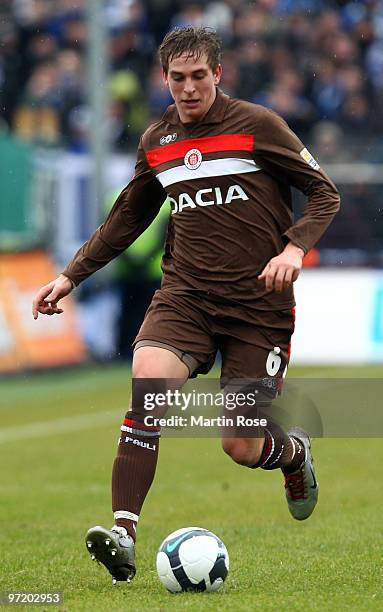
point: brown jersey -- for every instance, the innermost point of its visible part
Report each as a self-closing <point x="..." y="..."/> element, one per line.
<point x="228" y="178"/>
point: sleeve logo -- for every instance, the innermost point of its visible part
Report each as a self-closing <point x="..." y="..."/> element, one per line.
<point x="309" y="159"/>
<point x="193" y="159"/>
<point x="168" y="138"/>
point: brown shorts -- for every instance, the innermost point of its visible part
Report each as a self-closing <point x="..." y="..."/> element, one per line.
<point x="253" y="344"/>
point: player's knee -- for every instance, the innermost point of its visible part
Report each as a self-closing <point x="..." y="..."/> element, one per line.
<point x="155" y="362"/>
<point x="146" y="364"/>
<point x="142" y="368"/>
<point x="245" y="451"/>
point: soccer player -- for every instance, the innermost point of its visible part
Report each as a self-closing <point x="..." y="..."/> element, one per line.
<point x="231" y="256"/>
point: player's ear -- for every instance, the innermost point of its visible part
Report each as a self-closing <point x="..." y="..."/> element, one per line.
<point x="217" y="74"/>
<point x="165" y="77"/>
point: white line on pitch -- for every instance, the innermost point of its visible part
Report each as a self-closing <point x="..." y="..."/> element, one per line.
<point x="44" y="429"/>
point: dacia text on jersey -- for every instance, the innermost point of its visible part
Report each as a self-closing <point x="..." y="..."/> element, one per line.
<point x="208" y="197"/>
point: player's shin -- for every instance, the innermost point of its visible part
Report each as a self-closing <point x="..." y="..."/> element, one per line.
<point x="133" y="471"/>
<point x="257" y="439"/>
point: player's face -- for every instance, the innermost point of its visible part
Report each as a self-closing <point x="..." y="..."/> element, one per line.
<point x="192" y="84"/>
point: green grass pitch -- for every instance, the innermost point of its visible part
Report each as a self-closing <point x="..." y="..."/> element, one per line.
<point x="57" y="443"/>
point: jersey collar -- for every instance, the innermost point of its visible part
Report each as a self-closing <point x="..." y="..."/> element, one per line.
<point x="215" y="113"/>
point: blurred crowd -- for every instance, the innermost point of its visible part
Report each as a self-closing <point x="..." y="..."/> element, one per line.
<point x="316" y="62"/>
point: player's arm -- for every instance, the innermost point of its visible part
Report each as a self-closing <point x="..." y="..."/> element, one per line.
<point x="134" y="210"/>
<point x="280" y="152"/>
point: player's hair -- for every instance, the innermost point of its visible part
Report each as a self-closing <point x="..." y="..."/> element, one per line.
<point x="194" y="41"/>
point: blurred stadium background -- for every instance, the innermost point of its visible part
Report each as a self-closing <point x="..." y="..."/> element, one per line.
<point x="79" y="82"/>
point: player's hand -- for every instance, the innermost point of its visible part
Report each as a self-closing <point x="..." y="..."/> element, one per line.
<point x="281" y="271"/>
<point x="47" y="298"/>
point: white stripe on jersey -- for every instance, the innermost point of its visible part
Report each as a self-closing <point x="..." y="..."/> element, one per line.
<point x="215" y="167"/>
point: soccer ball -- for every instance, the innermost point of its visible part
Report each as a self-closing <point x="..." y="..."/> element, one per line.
<point x="192" y="559"/>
